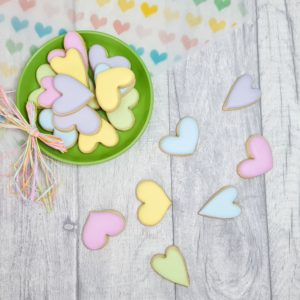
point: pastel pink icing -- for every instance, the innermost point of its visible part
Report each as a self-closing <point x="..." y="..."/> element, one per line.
<point x="262" y="161"/>
<point x="99" y="226"/>
<point x="50" y="95"/>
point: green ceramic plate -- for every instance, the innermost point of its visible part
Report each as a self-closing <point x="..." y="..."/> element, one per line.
<point x="142" y="112"/>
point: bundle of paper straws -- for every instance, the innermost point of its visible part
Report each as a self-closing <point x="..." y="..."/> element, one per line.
<point x="33" y="179"/>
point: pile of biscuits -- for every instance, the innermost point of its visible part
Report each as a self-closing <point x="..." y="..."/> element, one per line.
<point x="69" y="101"/>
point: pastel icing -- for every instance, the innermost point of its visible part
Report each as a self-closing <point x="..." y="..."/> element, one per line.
<point x="221" y="204"/>
<point x="106" y="136"/>
<point x="108" y="84"/>
<point x="46" y="121"/>
<point x="102" y="68"/>
<point x="98" y="55"/>
<point x="72" y="65"/>
<point x="155" y="202"/>
<point x="242" y="94"/>
<point x="55" y="53"/>
<point x="34" y="95"/>
<point x="185" y="142"/>
<point x="93" y="103"/>
<point x="260" y="158"/>
<point x="99" y="226"/>
<point x="86" y="121"/>
<point x="50" y="94"/>
<point x="43" y="71"/>
<point x="74" y="40"/>
<point x="171" y="266"/>
<point x="123" y="118"/>
<point x="74" y="95"/>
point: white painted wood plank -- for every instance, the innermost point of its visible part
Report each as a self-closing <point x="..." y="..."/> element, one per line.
<point x="37" y="249"/>
<point x="122" y="269"/>
<point x="278" y="41"/>
<point x="226" y="259"/>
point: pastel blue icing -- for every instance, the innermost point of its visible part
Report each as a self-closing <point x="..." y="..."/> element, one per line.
<point x="221" y="205"/>
<point x="45" y="120"/>
<point x="185" y="142"/>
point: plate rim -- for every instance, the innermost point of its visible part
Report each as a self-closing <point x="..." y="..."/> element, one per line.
<point x="43" y="147"/>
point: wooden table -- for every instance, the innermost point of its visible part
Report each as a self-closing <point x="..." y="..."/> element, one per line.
<point x="255" y="256"/>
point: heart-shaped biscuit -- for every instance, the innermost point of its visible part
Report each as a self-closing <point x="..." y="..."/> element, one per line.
<point x="98" y="55"/>
<point x="186" y="140"/>
<point x="86" y="121"/>
<point x="108" y="86"/>
<point x="74" y="95"/>
<point x="99" y="226"/>
<point x="49" y="95"/>
<point x="46" y="121"/>
<point x="260" y="158"/>
<point x="107" y="136"/>
<point x="221" y="204"/>
<point x="241" y="94"/>
<point x="155" y="202"/>
<point x="72" y="65"/>
<point x="171" y="266"/>
<point x="123" y="118"/>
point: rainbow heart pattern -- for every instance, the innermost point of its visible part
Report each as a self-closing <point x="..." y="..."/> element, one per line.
<point x="162" y="33"/>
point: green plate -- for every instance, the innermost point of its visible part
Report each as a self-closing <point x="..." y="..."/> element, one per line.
<point x="142" y="111"/>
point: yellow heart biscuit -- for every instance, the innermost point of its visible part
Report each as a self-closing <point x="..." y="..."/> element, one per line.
<point x="108" y="84"/>
<point x="123" y="118"/>
<point x="71" y="65"/>
<point x="107" y="136"/>
<point x="155" y="202"/>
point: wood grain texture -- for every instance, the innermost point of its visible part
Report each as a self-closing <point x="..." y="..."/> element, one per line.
<point x="226" y="259"/>
<point x="122" y="269"/>
<point x="278" y="46"/>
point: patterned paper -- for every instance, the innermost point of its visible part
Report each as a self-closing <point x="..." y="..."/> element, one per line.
<point x="161" y="32"/>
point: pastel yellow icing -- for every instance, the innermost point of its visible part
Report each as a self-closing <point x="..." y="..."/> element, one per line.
<point x="108" y="84"/>
<point x="171" y="266"/>
<point x="107" y="136"/>
<point x="71" y="65"/>
<point x="155" y="202"/>
<point x="123" y="118"/>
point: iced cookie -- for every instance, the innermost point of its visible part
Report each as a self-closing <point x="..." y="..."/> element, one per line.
<point x="73" y="40"/>
<point x="185" y="142"/>
<point x="45" y="120"/>
<point x="99" y="226"/>
<point x="98" y="55"/>
<point x="72" y="65"/>
<point x="86" y="121"/>
<point x="102" y="68"/>
<point x="260" y="158"/>
<point x="171" y="266"/>
<point x="155" y="202"/>
<point x="222" y="204"/>
<point x="241" y="94"/>
<point x="108" y="84"/>
<point x="123" y="118"/>
<point x="49" y="95"/>
<point x="74" y="95"/>
<point x="107" y="136"/>
<point x="43" y="71"/>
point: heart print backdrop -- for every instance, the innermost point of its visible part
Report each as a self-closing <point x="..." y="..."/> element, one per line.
<point x="161" y="32"/>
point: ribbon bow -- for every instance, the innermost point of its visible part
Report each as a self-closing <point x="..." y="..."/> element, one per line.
<point x="27" y="179"/>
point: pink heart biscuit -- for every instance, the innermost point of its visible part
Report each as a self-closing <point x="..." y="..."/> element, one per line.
<point x="74" y="95"/>
<point x="86" y="121"/>
<point x="56" y="53"/>
<point x="50" y="95"/>
<point x="260" y="158"/>
<point x="99" y="226"/>
<point x="98" y="55"/>
<point x="74" y="40"/>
